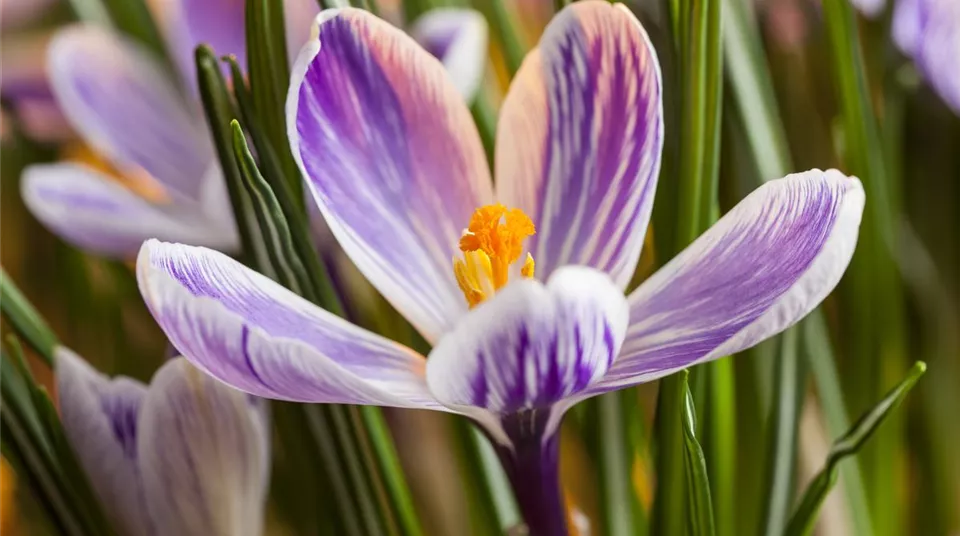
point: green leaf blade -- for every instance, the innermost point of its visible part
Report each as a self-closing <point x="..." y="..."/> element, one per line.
<point x="804" y="518"/>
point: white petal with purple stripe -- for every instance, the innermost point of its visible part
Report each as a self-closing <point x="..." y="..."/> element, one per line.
<point x="259" y="337"/>
<point x="579" y="140"/>
<point x="204" y="454"/>
<point x="764" y="266"/>
<point x="96" y="213"/>
<point x="118" y="96"/>
<point x="531" y="345"/>
<point x="393" y="158"/>
<point x="100" y="418"/>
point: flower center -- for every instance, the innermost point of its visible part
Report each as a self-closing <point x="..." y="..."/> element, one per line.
<point x="491" y="244"/>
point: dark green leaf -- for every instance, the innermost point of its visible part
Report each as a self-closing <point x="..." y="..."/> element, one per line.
<point x="614" y="460"/>
<point x="805" y="516"/>
<point x="287" y="242"/>
<point x="278" y="244"/>
<point x="698" y="484"/>
<point x="220" y="112"/>
<point x="698" y="53"/>
<point x="25" y="319"/>
<point x="877" y="341"/>
<point x="505" y="31"/>
<point x="33" y="438"/>
<point x="823" y="368"/>
<point x="752" y="93"/>
<point x="267" y="62"/>
<point x="396" y="483"/>
<point x="488" y="517"/>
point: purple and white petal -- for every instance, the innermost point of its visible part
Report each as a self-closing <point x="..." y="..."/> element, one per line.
<point x="939" y="52"/>
<point x="259" y="337"/>
<point x="908" y="20"/>
<point x="393" y="158"/>
<point x="579" y="140"/>
<point x="531" y="345"/>
<point x="204" y="454"/>
<point x="117" y="95"/>
<point x="458" y="38"/>
<point x="100" y="419"/>
<point x="765" y="265"/>
<point x="95" y="213"/>
<point x="929" y="32"/>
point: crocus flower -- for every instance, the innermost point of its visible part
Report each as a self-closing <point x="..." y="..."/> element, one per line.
<point x="25" y="88"/>
<point x="121" y="100"/>
<point x="185" y="455"/>
<point x="928" y="31"/>
<point x="525" y="309"/>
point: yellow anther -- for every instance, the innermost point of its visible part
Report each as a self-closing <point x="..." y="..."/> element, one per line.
<point x="492" y="242"/>
<point x="528" y="267"/>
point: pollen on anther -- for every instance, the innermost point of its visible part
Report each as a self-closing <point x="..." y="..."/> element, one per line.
<point x="492" y="242"/>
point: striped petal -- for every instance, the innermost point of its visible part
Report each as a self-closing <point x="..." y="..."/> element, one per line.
<point x="259" y="337"/>
<point x="204" y="454"/>
<point x="579" y="140"/>
<point x="764" y="266"/>
<point x="95" y="213"/>
<point x="100" y="418"/>
<point x="120" y="99"/>
<point x="392" y="157"/>
<point x="459" y="39"/>
<point x="531" y="345"/>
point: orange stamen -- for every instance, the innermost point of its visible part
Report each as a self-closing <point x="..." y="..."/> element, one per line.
<point x="492" y="242"/>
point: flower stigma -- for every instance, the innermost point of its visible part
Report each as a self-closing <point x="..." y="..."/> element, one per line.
<point x="491" y="244"/>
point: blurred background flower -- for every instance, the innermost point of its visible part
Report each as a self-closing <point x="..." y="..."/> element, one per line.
<point x="184" y="455"/>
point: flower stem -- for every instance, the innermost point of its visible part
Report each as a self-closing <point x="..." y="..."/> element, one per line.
<point x="534" y="472"/>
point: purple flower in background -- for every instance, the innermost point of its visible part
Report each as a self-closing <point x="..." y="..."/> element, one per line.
<point x="928" y="31"/>
<point x="185" y="455"/>
<point x="123" y="103"/>
<point x="25" y="88"/>
<point x="530" y="316"/>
